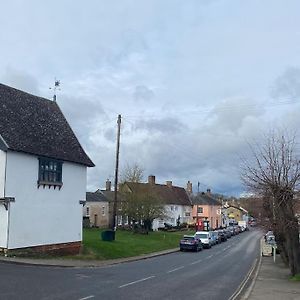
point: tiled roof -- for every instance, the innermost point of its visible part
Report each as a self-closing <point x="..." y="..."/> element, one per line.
<point x="168" y="195"/>
<point x="95" y="197"/>
<point x="37" y="126"/>
<point x="204" y="199"/>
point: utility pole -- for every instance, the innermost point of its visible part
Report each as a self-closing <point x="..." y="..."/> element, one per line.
<point x="114" y="224"/>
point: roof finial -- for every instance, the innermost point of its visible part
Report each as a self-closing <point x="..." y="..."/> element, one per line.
<point x="56" y="87"/>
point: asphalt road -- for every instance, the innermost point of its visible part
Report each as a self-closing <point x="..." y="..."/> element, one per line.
<point x="210" y="274"/>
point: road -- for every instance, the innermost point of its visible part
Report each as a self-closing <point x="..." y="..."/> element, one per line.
<point x="210" y="274"/>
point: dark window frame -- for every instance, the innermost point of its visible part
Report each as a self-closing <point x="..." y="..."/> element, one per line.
<point x="199" y="209"/>
<point x="50" y="172"/>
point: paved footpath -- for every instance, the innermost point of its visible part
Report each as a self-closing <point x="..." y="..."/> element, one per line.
<point x="272" y="282"/>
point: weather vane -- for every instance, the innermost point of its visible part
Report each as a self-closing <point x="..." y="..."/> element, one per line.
<point x="56" y="87"/>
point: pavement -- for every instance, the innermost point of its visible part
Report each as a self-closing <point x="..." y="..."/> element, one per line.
<point x="76" y="263"/>
<point x="271" y="282"/>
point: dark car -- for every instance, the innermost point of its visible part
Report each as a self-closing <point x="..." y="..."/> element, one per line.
<point x="190" y="243"/>
<point x="222" y="235"/>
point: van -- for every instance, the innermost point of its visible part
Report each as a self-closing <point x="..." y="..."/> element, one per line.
<point x="205" y="237"/>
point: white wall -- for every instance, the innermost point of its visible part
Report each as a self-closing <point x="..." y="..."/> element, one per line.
<point x="2" y="172"/>
<point x="173" y="211"/>
<point x="3" y="211"/>
<point x="41" y="216"/>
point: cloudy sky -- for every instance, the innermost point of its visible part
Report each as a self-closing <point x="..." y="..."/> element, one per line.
<point x="194" y="81"/>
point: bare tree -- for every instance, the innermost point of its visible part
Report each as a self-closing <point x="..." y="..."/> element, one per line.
<point x="132" y="173"/>
<point x="141" y="205"/>
<point x="274" y="174"/>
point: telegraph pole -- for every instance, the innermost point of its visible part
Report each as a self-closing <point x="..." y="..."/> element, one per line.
<point x="114" y="224"/>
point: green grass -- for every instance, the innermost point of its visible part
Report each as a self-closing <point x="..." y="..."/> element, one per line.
<point x="127" y="244"/>
<point x="296" y="277"/>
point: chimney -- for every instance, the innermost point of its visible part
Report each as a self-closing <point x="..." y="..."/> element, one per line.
<point x="189" y="187"/>
<point x="108" y="185"/>
<point x="169" y="183"/>
<point x="208" y="192"/>
<point x="151" y="179"/>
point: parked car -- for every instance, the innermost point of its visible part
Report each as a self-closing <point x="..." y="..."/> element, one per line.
<point x="214" y="237"/>
<point x="205" y="237"/>
<point x="231" y="230"/>
<point x="227" y="233"/>
<point x="236" y="230"/>
<point x="222" y="235"/>
<point x="190" y="242"/>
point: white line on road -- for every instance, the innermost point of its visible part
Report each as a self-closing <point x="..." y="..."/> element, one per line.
<point x="88" y="297"/>
<point x="137" y="281"/>
<point x="196" y="262"/>
<point x="176" y="269"/>
<point x="209" y="256"/>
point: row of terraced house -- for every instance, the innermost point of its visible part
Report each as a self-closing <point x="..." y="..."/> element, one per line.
<point x="181" y="205"/>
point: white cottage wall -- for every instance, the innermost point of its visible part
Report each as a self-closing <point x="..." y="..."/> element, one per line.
<point x="43" y="216"/>
<point x="3" y="211"/>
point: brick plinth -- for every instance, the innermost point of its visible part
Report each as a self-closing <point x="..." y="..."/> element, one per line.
<point x="71" y="248"/>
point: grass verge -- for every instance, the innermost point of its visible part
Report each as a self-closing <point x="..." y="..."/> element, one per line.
<point x="127" y="244"/>
<point x="296" y="277"/>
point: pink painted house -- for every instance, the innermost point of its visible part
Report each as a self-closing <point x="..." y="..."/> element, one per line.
<point x="206" y="208"/>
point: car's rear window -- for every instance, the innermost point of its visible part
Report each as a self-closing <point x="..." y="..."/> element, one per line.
<point x="188" y="238"/>
<point x="202" y="235"/>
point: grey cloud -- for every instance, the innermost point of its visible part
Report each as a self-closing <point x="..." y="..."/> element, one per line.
<point x="287" y="85"/>
<point x="143" y="93"/>
<point x="21" y="80"/>
<point x="162" y="125"/>
<point x="110" y="134"/>
<point x="83" y="115"/>
<point x="231" y="113"/>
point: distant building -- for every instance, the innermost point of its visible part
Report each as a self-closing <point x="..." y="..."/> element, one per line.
<point x="207" y="208"/>
<point x="96" y="210"/>
<point x="176" y="201"/>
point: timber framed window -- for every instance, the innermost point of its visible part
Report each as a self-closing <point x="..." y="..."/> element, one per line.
<point x="50" y="172"/>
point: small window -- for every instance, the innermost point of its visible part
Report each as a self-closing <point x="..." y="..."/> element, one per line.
<point x="87" y="211"/>
<point x="172" y="208"/>
<point x="200" y="210"/>
<point x="103" y="210"/>
<point x="187" y="214"/>
<point x="50" y="172"/>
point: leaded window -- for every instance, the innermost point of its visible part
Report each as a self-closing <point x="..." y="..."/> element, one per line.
<point x="50" y="172"/>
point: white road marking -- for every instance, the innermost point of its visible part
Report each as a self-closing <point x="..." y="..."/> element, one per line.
<point x="209" y="256"/>
<point x="137" y="281"/>
<point x="176" y="269"/>
<point x="88" y="297"/>
<point x="196" y="262"/>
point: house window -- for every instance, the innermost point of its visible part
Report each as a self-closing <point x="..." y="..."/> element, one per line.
<point x="187" y="214"/>
<point x="50" y="172"/>
<point x="103" y="210"/>
<point x="87" y="211"/>
<point x="200" y="210"/>
<point x="172" y="208"/>
<point x="176" y="208"/>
